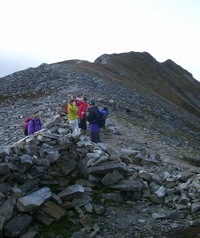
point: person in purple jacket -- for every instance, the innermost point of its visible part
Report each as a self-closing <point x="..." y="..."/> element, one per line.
<point x="34" y="124"/>
<point x="92" y="118"/>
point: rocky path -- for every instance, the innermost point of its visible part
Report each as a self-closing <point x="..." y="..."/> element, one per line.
<point x="138" y="219"/>
<point x="119" y="136"/>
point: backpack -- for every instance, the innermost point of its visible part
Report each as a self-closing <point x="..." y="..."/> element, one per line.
<point x="101" y="117"/>
<point x="104" y="113"/>
<point x="25" y="125"/>
<point x="65" y="108"/>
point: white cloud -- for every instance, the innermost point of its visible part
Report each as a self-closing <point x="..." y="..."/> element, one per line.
<point x="56" y="30"/>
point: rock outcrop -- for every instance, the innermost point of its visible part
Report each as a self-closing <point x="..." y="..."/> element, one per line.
<point x="46" y="175"/>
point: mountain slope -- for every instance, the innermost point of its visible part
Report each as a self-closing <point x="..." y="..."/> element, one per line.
<point x="152" y="98"/>
<point x="166" y="79"/>
<point x="153" y="109"/>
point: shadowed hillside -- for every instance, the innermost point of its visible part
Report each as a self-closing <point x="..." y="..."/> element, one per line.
<point x="169" y="80"/>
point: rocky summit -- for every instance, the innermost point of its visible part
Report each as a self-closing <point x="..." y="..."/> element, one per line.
<point x="141" y="181"/>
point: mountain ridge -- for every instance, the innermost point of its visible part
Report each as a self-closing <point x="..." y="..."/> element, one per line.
<point x="131" y="80"/>
<point x="157" y="77"/>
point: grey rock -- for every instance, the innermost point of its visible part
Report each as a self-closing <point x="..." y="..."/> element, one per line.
<point x="99" y="209"/>
<point x="7" y="208"/>
<point x="108" y="167"/>
<point x="129" y="186"/>
<point x="112" y="197"/>
<point x="31" y="233"/>
<point x="5" y="150"/>
<point x="26" y="159"/>
<point x="53" y="122"/>
<point x="161" y="192"/>
<point x="155" y="199"/>
<point x="183" y="199"/>
<point x="4" y="168"/>
<point x="53" y="210"/>
<point x="18" y="225"/>
<point x="130" y="156"/>
<point x="79" y="234"/>
<point x="195" y="206"/>
<point x="178" y="214"/>
<point x="82" y="200"/>
<point x="43" y="217"/>
<point x="2" y="222"/>
<point x="157" y="216"/>
<point x="145" y="175"/>
<point x="67" y="166"/>
<point x="34" y="200"/>
<point x="71" y="192"/>
<point x="111" y="178"/>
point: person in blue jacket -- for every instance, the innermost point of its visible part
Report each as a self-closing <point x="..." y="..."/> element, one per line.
<point x="92" y="118"/>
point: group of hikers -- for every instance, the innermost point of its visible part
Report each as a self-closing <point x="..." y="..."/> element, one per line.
<point x="80" y="113"/>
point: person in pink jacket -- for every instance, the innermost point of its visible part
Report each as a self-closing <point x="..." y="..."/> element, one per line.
<point x="82" y="109"/>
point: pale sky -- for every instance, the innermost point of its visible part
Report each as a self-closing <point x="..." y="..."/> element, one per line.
<point x="48" y="31"/>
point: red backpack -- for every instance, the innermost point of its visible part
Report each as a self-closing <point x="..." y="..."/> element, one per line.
<point x="66" y="109"/>
<point x="25" y="125"/>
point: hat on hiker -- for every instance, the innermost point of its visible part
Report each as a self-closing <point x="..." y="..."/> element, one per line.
<point x="91" y="102"/>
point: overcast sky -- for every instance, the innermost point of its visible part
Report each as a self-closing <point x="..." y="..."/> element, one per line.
<point x="48" y="31"/>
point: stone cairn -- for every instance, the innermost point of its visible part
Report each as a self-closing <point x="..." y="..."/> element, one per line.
<point x="54" y="157"/>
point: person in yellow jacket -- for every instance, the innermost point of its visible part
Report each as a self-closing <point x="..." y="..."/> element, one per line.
<point x="73" y="115"/>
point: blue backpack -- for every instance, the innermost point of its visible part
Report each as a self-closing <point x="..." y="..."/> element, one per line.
<point x="99" y="117"/>
<point x="102" y="115"/>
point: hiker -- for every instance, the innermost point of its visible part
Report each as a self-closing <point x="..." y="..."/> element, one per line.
<point x="82" y="109"/>
<point x="34" y="124"/>
<point x="65" y="107"/>
<point x="73" y="115"/>
<point x="92" y="118"/>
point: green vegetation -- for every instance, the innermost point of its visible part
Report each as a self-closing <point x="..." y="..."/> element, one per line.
<point x="4" y="98"/>
<point x="65" y="227"/>
<point x="192" y="161"/>
<point x="28" y="95"/>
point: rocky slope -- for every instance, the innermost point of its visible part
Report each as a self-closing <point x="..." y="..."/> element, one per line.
<point x="166" y="79"/>
<point x="154" y="109"/>
<point x="49" y="87"/>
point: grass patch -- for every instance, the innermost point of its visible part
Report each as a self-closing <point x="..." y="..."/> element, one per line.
<point x="64" y="228"/>
<point x="4" y="98"/>
<point x="28" y="95"/>
<point x="192" y="161"/>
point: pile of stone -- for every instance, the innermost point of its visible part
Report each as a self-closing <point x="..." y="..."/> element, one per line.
<point x="54" y="157"/>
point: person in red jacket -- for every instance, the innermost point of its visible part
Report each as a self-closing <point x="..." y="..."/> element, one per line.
<point x="82" y="109"/>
